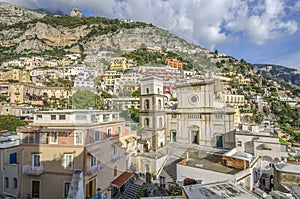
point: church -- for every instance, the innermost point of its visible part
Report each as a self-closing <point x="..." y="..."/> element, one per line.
<point x="201" y="118"/>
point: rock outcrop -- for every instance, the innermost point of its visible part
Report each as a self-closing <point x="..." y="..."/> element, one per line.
<point x="75" y="12"/>
<point x="11" y="14"/>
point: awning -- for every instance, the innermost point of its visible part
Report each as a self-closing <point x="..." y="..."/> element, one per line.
<point x="122" y="179"/>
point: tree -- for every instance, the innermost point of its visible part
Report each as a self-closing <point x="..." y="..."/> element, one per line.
<point x="83" y="99"/>
<point x="10" y="122"/>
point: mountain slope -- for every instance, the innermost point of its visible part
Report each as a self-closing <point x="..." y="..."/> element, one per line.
<point x="41" y="34"/>
<point x="283" y="73"/>
<point x="11" y="14"/>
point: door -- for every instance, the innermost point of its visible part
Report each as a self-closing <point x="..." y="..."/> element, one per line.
<point x="35" y="188"/>
<point x="219" y="141"/>
<point x="195" y="137"/>
<point x="173" y="136"/>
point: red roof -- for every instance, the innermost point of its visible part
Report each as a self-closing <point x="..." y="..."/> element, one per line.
<point x="122" y="179"/>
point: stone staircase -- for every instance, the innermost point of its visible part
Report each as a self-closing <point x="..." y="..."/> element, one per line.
<point x="169" y="171"/>
<point x="130" y="192"/>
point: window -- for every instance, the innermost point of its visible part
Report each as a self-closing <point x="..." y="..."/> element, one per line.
<point x="115" y="171"/>
<point x="239" y="143"/>
<point x="78" y="138"/>
<point x="115" y="150"/>
<point x="68" y="161"/>
<point x="43" y="138"/>
<point x="109" y="132"/>
<point x="6" y="182"/>
<point x="13" y="158"/>
<point x="147" y="90"/>
<point x="53" y="117"/>
<point x="159" y="104"/>
<point x="39" y="117"/>
<point x="160" y="122"/>
<point x="146" y="122"/>
<point x="93" y="160"/>
<point x="36" y="160"/>
<point x="147" y="105"/>
<point x="15" y="183"/>
<point x="66" y="188"/>
<point x="62" y="117"/>
<point x="53" y="138"/>
<point x="119" y="130"/>
<point x="97" y="135"/>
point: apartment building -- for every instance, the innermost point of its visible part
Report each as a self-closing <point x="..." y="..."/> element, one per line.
<point x="60" y="145"/>
<point x="234" y="100"/>
<point x="119" y="64"/>
<point x="9" y="167"/>
<point x="174" y="63"/>
<point x="16" y="75"/>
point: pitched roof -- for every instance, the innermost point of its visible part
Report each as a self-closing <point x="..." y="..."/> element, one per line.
<point x="122" y="179"/>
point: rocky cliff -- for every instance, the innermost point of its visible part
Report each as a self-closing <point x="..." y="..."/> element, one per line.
<point x="19" y="25"/>
<point x="10" y="14"/>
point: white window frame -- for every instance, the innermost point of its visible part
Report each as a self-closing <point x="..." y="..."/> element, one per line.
<point x="33" y="159"/>
<point x="97" y="135"/>
<point x="55" y="141"/>
<point x="43" y="138"/>
<point x="109" y="132"/>
<point x="93" y="160"/>
<point x="76" y="136"/>
<point x="68" y="165"/>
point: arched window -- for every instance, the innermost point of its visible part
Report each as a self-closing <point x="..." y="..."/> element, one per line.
<point x="146" y="122"/>
<point x="15" y="183"/>
<point x="159" y="104"/>
<point x="147" y="104"/>
<point x="147" y="90"/>
<point x="160" y="122"/>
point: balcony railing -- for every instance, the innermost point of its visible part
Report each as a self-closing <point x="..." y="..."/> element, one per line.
<point x="32" y="170"/>
<point x="116" y="157"/>
<point x="95" y="168"/>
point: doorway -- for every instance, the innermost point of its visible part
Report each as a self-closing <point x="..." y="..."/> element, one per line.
<point x="173" y="136"/>
<point x="195" y="137"/>
<point x="219" y="141"/>
<point x="36" y="188"/>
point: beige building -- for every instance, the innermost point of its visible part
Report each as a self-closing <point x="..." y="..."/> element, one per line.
<point x="200" y="118"/>
<point x="16" y="75"/>
<point x="60" y="146"/>
<point x="234" y="100"/>
<point x="35" y="95"/>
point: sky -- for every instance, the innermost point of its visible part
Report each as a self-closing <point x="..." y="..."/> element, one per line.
<point x="258" y="31"/>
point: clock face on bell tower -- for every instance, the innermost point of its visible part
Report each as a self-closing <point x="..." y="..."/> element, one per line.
<point x="193" y="99"/>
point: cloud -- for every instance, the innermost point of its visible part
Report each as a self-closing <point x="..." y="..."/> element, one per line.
<point x="211" y="23"/>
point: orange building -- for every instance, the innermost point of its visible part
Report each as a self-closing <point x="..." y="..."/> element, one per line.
<point x="174" y="63"/>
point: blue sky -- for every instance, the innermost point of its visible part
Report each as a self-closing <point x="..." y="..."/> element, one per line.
<point x="259" y="31"/>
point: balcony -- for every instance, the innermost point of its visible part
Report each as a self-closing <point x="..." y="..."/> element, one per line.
<point x="95" y="168"/>
<point x="32" y="170"/>
<point x="116" y="157"/>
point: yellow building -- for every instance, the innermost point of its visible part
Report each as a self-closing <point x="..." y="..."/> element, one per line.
<point x="59" y="145"/>
<point x="16" y="75"/>
<point x="119" y="64"/>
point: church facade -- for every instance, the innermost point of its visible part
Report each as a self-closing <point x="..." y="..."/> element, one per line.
<point x="201" y="118"/>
